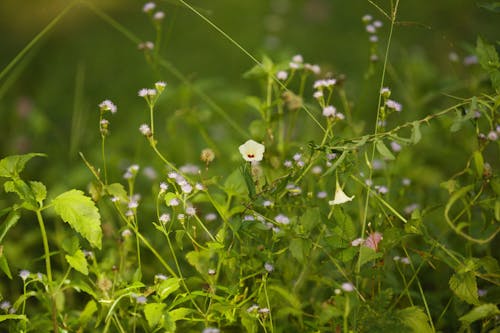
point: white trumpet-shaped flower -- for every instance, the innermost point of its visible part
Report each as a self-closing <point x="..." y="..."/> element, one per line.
<point x="252" y="151"/>
<point x="340" y="196"/>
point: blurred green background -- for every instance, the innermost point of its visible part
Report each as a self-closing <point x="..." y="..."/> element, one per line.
<point x="48" y="100"/>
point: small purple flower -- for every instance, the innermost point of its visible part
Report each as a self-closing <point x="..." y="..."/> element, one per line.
<point x="24" y="274"/>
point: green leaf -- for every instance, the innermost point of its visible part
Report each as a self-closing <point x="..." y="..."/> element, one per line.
<point x="482" y="311"/>
<point x="78" y="262"/>
<point x="415" y="132"/>
<point x="167" y="287"/>
<point x="465" y="287"/>
<point x="310" y="219"/>
<point x="286" y="295"/>
<point x="492" y="7"/>
<point x="180" y="313"/>
<point x="200" y="260"/>
<point x="249" y="181"/>
<point x="299" y="249"/>
<point x="235" y="184"/>
<point x="82" y="215"/>
<point x="117" y="190"/>
<point x="154" y="313"/>
<point x="12" y="317"/>
<point x="478" y="163"/>
<point x="24" y="192"/>
<point x="4" y="265"/>
<point x="9" y="222"/>
<point x="415" y="319"/>
<point x="11" y="166"/>
<point x="383" y="150"/>
<point x="367" y="254"/>
<point x="39" y="190"/>
<point x="87" y="313"/>
<point x="488" y="59"/>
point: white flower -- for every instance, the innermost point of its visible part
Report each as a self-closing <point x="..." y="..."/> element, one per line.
<point x="282" y="219"/>
<point x="159" y="16"/>
<point x="329" y="111"/>
<point x="282" y="75"/>
<point x="252" y="151"/>
<point x="394" y="105"/>
<point x="340" y="197"/>
<point x="107" y="105"/>
<point x="298" y="59"/>
<point x="347" y="286"/>
<point x="148" y="7"/>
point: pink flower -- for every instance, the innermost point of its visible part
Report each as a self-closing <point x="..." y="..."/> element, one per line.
<point x="373" y="239"/>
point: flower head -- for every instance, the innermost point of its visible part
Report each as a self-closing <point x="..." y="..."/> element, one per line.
<point x="107" y="105"/>
<point x="252" y="151"/>
<point x="24" y="274"/>
<point x="340" y="197"/>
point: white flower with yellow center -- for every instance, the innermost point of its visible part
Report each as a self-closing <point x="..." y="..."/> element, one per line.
<point x="340" y="197"/>
<point x="252" y="151"/>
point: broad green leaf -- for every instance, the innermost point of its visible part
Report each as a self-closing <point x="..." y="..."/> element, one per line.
<point x="12" y="317"/>
<point x="71" y="244"/>
<point x="39" y="190"/>
<point x="367" y="254"/>
<point x="480" y="312"/>
<point x="81" y="213"/>
<point x="9" y="222"/>
<point x="415" y="132"/>
<point x="167" y="287"/>
<point x="200" y="260"/>
<point x="24" y="192"/>
<point x="310" y="219"/>
<point x="235" y="184"/>
<point x="11" y="166"/>
<point x="384" y="151"/>
<point x="154" y="313"/>
<point x="415" y="319"/>
<point x="117" y="190"/>
<point x="4" y="265"/>
<point x="78" y="262"/>
<point x="465" y="287"/>
<point x="299" y="248"/>
<point x="87" y="313"/>
<point x="344" y="228"/>
<point x="180" y="313"/>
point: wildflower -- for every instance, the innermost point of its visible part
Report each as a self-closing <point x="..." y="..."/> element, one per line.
<point x="340" y="197"/>
<point x="143" y="92"/>
<point x="396" y="147"/>
<point x="133" y="203"/>
<point x="381" y="189"/>
<point x="385" y="92"/>
<point x="313" y="68"/>
<point x="282" y="219"/>
<point x="317" y="169"/>
<point x="393" y="105"/>
<point x="163" y="187"/>
<point x="267" y="203"/>
<point x="107" y="105"/>
<point x="319" y="84"/>
<point x="199" y="187"/>
<point x="268" y="267"/>
<point x="160" y="277"/>
<point x="210" y="217"/>
<point x="357" y="242"/>
<point x="104" y="283"/>
<point x="347" y="287"/>
<point x="115" y="199"/>
<point x="321" y="195"/>
<point x="492" y="136"/>
<point x="396" y="258"/>
<point x="158" y="16"/>
<point x="264" y="311"/>
<point x="371" y="29"/>
<point x="160" y="85"/>
<point x="373" y="239"/>
<point x="318" y="94"/>
<point x="174" y="202"/>
<point x="248" y="218"/>
<point x="211" y="271"/>
<point x="366" y="18"/>
<point x="294" y="65"/>
<point x="148" y="7"/>
<point x="191" y="211"/>
<point x="287" y="164"/>
<point x="252" y="151"/>
<point x="5" y="306"/>
<point x="337" y="291"/>
<point x="24" y="274"/>
<point x="453" y="57"/>
<point x="282" y="75"/>
<point x="373" y="39"/>
<point x="298" y="59"/>
<point x="329" y="111"/>
<point x="181" y="217"/>
<point x="470" y="60"/>
<point x="165" y="218"/>
<point x="300" y="164"/>
<point x="410" y="208"/>
<point x="148" y="45"/>
<point x="406" y="181"/>
<point x="126" y="233"/>
<point x="482" y="292"/>
<point x="187" y="188"/>
<point x="297" y="157"/>
<point x="207" y="155"/>
<point x="211" y="330"/>
<point x="141" y="299"/>
<point x="253" y="308"/>
<point x="378" y="24"/>
<point x="150" y="173"/>
<point x="405" y="260"/>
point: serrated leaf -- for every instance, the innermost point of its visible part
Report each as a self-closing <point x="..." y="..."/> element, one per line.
<point x="11" y="166"/>
<point x="464" y="286"/>
<point x="117" y="190"/>
<point x="9" y="222"/>
<point x="367" y="254"/>
<point x="487" y="55"/>
<point x="235" y="184"/>
<point x="82" y="215"/>
<point x="24" y="192"/>
<point x="39" y="190"/>
<point x="384" y="151"/>
<point x="78" y="262"/>
<point x="153" y="313"/>
<point x="480" y="312"/>
<point x="415" y="319"/>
